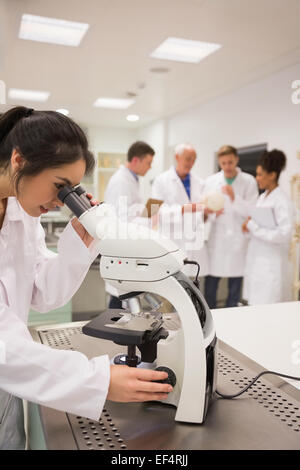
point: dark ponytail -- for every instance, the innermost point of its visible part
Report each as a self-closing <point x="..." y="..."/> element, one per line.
<point x="275" y="160"/>
<point x="45" y="139"/>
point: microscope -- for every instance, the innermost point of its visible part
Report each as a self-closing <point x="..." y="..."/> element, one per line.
<point x="139" y="262"/>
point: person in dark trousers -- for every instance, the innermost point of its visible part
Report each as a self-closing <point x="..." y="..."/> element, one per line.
<point x="227" y="244"/>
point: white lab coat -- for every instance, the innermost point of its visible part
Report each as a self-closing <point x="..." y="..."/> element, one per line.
<point x="227" y="245"/>
<point x="188" y="230"/>
<point x="267" y="274"/>
<point x="32" y="276"/>
<point x="123" y="192"/>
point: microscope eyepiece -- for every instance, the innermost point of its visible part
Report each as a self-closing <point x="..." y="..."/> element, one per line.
<point x="79" y="190"/>
<point x="75" y="199"/>
<point x="63" y="193"/>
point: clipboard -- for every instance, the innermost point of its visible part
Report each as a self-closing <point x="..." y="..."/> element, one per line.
<point x="151" y="207"/>
<point x="263" y="216"/>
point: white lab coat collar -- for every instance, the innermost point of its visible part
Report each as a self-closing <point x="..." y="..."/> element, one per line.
<point x="174" y="174"/>
<point x="180" y="186"/>
<point x="126" y="170"/>
<point x="239" y="171"/>
<point x="14" y="210"/>
<point x="272" y="193"/>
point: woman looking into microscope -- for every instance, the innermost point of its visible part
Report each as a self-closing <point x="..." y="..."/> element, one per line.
<point x="40" y="152"/>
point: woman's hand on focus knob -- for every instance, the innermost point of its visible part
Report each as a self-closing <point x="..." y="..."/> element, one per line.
<point x="130" y="384"/>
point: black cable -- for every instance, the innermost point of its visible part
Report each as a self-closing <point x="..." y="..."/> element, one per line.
<point x="186" y="261"/>
<point x="196" y="282"/>
<point x="253" y="381"/>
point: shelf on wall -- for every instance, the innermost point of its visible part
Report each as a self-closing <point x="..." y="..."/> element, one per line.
<point x="107" y="169"/>
<point x="107" y="164"/>
<point x="110" y="160"/>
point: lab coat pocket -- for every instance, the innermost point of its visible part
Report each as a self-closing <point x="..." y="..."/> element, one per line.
<point x="12" y="434"/>
<point x="5" y="399"/>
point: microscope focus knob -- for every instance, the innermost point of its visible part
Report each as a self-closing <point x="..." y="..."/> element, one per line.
<point x="171" y="379"/>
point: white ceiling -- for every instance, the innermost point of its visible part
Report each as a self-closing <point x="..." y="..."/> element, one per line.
<point x="258" y="37"/>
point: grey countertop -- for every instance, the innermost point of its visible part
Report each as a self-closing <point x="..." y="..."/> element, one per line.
<point x="267" y="416"/>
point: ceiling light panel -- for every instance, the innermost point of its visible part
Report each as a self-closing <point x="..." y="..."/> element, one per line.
<point x="184" y="50"/>
<point x="51" y="30"/>
<point x="28" y="95"/>
<point x="133" y="117"/>
<point x="113" y="103"/>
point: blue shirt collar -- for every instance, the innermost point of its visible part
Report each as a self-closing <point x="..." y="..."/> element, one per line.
<point x="186" y="181"/>
<point x="134" y="174"/>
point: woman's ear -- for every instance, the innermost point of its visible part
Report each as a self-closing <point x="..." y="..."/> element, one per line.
<point x="16" y="160"/>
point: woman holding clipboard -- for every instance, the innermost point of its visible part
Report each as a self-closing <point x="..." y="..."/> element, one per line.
<point x="270" y="234"/>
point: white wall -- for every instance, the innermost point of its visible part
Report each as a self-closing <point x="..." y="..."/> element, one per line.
<point x="154" y="135"/>
<point x="260" y="112"/>
<point x="102" y="139"/>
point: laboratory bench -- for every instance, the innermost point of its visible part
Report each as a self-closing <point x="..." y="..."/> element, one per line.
<point x="267" y="334"/>
<point x="250" y="340"/>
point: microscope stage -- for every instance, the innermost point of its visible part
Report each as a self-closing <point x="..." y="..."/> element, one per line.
<point x="123" y="328"/>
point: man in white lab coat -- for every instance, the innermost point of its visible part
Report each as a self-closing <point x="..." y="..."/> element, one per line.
<point x="181" y="216"/>
<point x="123" y="191"/>
<point x="227" y="245"/>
